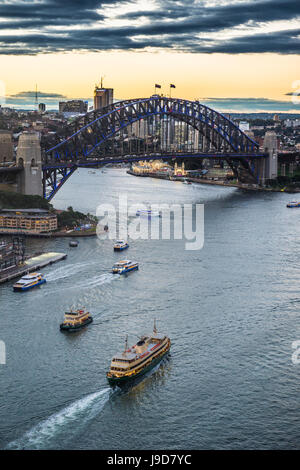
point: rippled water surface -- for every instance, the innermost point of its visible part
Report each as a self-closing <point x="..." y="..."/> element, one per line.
<point x="231" y="310"/>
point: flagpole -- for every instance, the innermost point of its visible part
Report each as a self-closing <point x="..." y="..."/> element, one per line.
<point x="170" y="91"/>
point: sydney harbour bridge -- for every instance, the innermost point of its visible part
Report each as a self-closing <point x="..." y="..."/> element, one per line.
<point x="145" y="129"/>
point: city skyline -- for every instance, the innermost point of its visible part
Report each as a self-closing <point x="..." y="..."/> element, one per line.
<point x="237" y="56"/>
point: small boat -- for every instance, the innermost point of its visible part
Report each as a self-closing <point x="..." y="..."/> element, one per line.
<point x="74" y="320"/>
<point x="147" y="213"/>
<point x="124" y="266"/>
<point x="186" y="182"/>
<point x="120" y="245"/>
<point x="73" y="243"/>
<point x="293" y="204"/>
<point x="139" y="359"/>
<point x="29" y="281"/>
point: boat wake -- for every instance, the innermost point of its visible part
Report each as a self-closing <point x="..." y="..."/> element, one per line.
<point x="68" y="422"/>
<point x="66" y="271"/>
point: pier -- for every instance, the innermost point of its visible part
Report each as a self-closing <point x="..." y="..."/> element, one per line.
<point x="32" y="264"/>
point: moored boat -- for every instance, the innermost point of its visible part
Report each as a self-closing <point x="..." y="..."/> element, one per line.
<point x="29" y="281"/>
<point x="139" y="359"/>
<point x="120" y="245"/>
<point x="74" y="320"/>
<point x="293" y="204"/>
<point x="124" y="266"/>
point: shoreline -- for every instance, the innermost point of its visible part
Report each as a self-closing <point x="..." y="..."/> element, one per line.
<point x="245" y="186"/>
<point x="49" y="235"/>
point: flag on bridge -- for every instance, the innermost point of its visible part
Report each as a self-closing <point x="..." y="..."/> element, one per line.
<point x="172" y="86"/>
<point x="157" y="86"/>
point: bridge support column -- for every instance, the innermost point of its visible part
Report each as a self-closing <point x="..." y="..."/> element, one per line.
<point x="29" y="156"/>
<point x="271" y="162"/>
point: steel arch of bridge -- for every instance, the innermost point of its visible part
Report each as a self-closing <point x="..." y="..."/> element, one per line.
<point x="81" y="141"/>
<point x="92" y="130"/>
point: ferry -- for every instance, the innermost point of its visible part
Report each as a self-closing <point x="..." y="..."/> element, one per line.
<point x="29" y="281"/>
<point x="138" y="359"/>
<point x="120" y="245"/>
<point x="74" y="320"/>
<point x="293" y="204"/>
<point x="124" y="266"/>
<point x="147" y="213"/>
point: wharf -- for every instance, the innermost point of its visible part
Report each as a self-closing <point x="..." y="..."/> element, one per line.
<point x="32" y="264"/>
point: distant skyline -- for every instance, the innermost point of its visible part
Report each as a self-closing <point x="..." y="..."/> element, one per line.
<point x="243" y="55"/>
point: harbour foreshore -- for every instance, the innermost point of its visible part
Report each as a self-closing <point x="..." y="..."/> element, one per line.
<point x="245" y="186"/>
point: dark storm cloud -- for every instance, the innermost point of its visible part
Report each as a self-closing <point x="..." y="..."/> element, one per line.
<point x="186" y="22"/>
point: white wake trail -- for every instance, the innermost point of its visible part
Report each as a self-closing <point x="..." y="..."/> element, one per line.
<point x="64" y="424"/>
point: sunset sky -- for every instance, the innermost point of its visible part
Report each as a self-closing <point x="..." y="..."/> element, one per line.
<point x="240" y="55"/>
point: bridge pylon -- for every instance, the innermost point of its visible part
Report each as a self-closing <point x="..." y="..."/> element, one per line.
<point x="29" y="157"/>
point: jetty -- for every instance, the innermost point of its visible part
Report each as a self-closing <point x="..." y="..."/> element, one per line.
<point x="32" y="264"/>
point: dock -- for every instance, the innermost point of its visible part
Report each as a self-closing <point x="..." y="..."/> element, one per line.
<point x="32" y="264"/>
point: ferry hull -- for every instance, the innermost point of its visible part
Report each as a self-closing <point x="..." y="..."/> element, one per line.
<point x="126" y="270"/>
<point x="23" y="289"/>
<point x="75" y="327"/>
<point x="118" y="381"/>
<point x="121" y="248"/>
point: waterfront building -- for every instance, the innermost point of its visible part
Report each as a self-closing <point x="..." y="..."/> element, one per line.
<point x="7" y="256"/>
<point x="179" y="171"/>
<point x="11" y="253"/>
<point x="31" y="221"/>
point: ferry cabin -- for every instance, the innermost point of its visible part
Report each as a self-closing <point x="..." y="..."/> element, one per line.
<point x="75" y="318"/>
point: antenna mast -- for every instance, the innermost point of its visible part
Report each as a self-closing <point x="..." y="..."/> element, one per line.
<point x="126" y="345"/>
<point x="36" y="97"/>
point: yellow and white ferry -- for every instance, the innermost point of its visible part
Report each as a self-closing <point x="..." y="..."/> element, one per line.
<point x="74" y="320"/>
<point x="124" y="266"/>
<point x="29" y="281"/>
<point x="120" y="245"/>
<point x="138" y="359"/>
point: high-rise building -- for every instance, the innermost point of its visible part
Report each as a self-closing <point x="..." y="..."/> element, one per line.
<point x="103" y="96"/>
<point x="42" y="107"/>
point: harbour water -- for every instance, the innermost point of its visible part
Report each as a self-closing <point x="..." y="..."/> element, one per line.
<point x="231" y="310"/>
